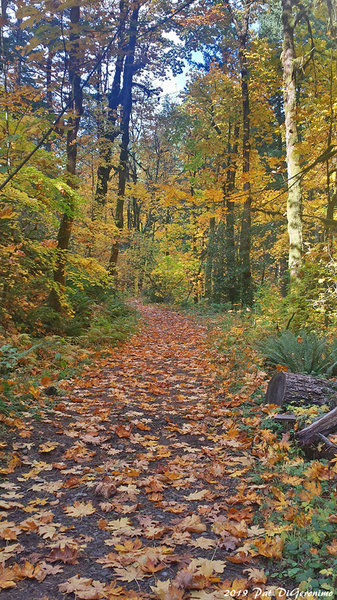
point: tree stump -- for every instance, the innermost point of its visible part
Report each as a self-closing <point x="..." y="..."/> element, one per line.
<point x="297" y="387"/>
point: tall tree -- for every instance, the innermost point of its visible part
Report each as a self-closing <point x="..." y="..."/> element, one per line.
<point x="242" y="32"/>
<point x="294" y="202"/>
<point x="56" y="297"/>
<point x="111" y="131"/>
<point x="126" y="102"/>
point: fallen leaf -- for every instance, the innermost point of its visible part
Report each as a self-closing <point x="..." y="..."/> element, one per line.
<point x="83" y="588"/>
<point x="80" y="509"/>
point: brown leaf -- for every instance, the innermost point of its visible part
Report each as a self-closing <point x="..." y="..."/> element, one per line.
<point x="123" y="432"/>
<point x="66" y="554"/>
<point x="192" y="524"/>
<point x="106" y="487"/>
<point x="83" y="588"/>
<point x="8" y="578"/>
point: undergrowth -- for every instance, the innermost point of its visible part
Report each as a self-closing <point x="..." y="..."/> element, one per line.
<point x="32" y="361"/>
<point x="301" y="353"/>
<point x="297" y="516"/>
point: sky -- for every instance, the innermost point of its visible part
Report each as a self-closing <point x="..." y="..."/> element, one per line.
<point x="175" y="84"/>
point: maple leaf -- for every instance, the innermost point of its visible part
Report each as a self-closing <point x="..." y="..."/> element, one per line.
<point x="271" y="548"/>
<point x="255" y="575"/>
<point x="8" y="578"/>
<point x="80" y="509"/>
<point x="238" y="530"/>
<point x="114" y="591"/>
<point x="83" y="588"/>
<point x="165" y="590"/>
<point x="151" y="566"/>
<point x="332" y="549"/>
<point x="129" y="546"/>
<point x="47" y="486"/>
<point x="29" y="571"/>
<point x="239" y="558"/>
<point x="192" y="524"/>
<point x="106" y="487"/>
<point x="228" y="542"/>
<point x="12" y="465"/>
<point x="9" y="505"/>
<point x="197" y="495"/>
<point x="188" y="580"/>
<point x="154" y="532"/>
<point x="66" y="554"/>
<point x="106" y="506"/>
<point x="310" y="491"/>
<point x="47" y="531"/>
<point x="48" y="446"/>
<point x="123" y="432"/>
<point x="130" y="573"/>
<point x="10" y="551"/>
<point x="122" y="526"/>
<point x="9" y="530"/>
<point x="92" y="439"/>
<point x="203" y="542"/>
<point x="255" y="531"/>
<point x="51" y="569"/>
<point x="206" y="566"/>
<point x="73" y="482"/>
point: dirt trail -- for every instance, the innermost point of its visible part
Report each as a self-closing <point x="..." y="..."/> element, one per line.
<point x="131" y="480"/>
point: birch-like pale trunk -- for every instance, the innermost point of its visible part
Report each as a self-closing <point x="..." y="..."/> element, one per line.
<point x="294" y="202"/>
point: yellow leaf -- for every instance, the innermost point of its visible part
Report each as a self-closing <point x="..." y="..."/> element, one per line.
<point x="80" y="509"/>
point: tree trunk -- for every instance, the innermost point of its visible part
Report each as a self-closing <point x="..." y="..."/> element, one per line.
<point x="242" y="30"/>
<point x="56" y="296"/>
<point x="219" y="263"/>
<point x="209" y="259"/>
<point x="245" y="237"/>
<point x="111" y="131"/>
<point x="126" y="101"/>
<point x="230" y="284"/>
<point x="294" y="203"/>
<point x="297" y="387"/>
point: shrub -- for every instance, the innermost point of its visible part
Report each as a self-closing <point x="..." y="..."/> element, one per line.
<point x="112" y="323"/>
<point x="168" y="281"/>
<point x="302" y="353"/>
<point x="10" y="357"/>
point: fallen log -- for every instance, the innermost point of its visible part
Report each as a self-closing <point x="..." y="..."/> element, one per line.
<point x="324" y="425"/>
<point x="313" y="439"/>
<point x="296" y="387"/>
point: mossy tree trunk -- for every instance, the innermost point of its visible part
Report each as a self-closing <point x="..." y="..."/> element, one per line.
<point x="294" y="202"/>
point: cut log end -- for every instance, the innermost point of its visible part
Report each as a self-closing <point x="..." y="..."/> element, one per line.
<point x="287" y="387"/>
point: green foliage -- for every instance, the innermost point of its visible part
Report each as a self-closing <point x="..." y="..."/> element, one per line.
<point x="302" y="353"/>
<point x="112" y="324"/>
<point x="314" y="298"/>
<point x="168" y="281"/>
<point x="10" y="357"/>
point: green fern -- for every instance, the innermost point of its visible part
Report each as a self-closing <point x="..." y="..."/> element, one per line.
<point x="302" y="353"/>
<point x="10" y="356"/>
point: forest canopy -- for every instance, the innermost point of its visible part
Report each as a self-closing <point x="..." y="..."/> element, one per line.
<point x="225" y="194"/>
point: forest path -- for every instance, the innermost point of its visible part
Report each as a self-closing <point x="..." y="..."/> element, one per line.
<point x="130" y="488"/>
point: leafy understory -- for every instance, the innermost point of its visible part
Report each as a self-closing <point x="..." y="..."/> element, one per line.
<point x="31" y="367"/>
<point x="153" y="474"/>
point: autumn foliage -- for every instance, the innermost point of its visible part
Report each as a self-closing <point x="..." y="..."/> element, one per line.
<point x="150" y="244"/>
